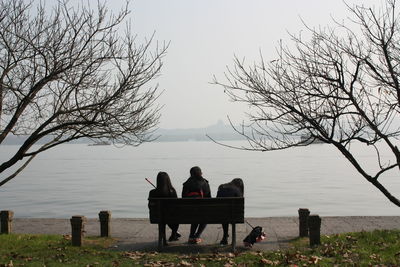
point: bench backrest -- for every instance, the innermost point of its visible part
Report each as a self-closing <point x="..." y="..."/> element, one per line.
<point x="197" y="210"/>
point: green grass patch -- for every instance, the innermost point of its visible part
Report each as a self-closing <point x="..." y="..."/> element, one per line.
<point x="380" y="247"/>
<point x="53" y="250"/>
<point x="362" y="249"/>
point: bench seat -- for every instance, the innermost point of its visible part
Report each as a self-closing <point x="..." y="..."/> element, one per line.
<point x="227" y="210"/>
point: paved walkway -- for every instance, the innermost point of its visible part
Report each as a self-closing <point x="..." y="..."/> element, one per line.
<point x="139" y="234"/>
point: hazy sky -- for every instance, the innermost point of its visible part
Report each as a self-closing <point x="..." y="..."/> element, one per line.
<point x="205" y="34"/>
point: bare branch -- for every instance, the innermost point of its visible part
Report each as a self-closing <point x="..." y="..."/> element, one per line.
<point x="73" y="73"/>
<point x="339" y="86"/>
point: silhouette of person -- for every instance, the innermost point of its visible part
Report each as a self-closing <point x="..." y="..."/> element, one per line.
<point x="165" y="189"/>
<point x="235" y="188"/>
<point x="196" y="187"/>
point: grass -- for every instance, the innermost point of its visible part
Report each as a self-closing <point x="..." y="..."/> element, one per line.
<point x="362" y="249"/>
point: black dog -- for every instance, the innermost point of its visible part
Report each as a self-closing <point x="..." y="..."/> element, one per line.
<point x="256" y="235"/>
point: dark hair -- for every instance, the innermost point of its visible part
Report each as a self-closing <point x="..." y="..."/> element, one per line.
<point x="164" y="185"/>
<point x="195" y="171"/>
<point x="239" y="184"/>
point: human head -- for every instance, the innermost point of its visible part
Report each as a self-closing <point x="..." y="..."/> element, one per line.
<point x="195" y="171"/>
<point x="239" y="184"/>
<point x="163" y="180"/>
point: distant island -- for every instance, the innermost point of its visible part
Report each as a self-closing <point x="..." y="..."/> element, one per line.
<point x="218" y="131"/>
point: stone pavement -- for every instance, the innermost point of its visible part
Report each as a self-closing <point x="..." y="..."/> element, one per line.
<point x="139" y="234"/>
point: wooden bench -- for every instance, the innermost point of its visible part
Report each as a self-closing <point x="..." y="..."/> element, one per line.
<point x="227" y="210"/>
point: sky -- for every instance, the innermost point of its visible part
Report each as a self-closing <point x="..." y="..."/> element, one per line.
<point x="205" y="35"/>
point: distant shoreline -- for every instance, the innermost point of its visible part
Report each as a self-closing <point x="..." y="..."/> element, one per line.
<point x="218" y="131"/>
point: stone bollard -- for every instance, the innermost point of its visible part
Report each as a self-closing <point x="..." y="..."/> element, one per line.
<point x="6" y="217"/>
<point x="303" y="224"/>
<point x="314" y="225"/>
<point x="78" y="228"/>
<point x="105" y="223"/>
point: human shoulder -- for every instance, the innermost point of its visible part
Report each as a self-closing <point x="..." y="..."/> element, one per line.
<point x="230" y="190"/>
<point x="238" y="193"/>
<point x="188" y="180"/>
<point x="221" y="186"/>
<point x="205" y="184"/>
<point x="173" y="193"/>
<point x="152" y="193"/>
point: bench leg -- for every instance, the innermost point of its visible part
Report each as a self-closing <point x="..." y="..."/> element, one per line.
<point x="161" y="236"/>
<point x="233" y="237"/>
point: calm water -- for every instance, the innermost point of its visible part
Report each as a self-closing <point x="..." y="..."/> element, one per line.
<point x="81" y="179"/>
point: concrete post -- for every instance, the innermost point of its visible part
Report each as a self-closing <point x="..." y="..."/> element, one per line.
<point x="303" y="224"/>
<point x="78" y="228"/>
<point x="314" y="224"/>
<point x="105" y="223"/>
<point x="6" y="217"/>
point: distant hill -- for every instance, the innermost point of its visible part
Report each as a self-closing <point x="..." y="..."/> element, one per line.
<point x="20" y="139"/>
<point x="218" y="131"/>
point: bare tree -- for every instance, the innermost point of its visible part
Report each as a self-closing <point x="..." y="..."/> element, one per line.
<point x="73" y="73"/>
<point x="339" y="86"/>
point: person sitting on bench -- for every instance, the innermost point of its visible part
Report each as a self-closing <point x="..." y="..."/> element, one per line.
<point x="234" y="188"/>
<point x="196" y="187"/>
<point x="164" y="189"/>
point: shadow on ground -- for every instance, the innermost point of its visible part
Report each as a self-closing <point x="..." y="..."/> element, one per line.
<point x="180" y="248"/>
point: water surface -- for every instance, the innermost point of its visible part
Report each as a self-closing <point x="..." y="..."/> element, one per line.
<point x="81" y="179"/>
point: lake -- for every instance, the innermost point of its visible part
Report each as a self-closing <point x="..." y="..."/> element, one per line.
<point x="78" y="179"/>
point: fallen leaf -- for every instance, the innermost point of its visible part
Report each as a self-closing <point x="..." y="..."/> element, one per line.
<point x="266" y="261"/>
<point x="155" y="264"/>
<point x="374" y="257"/>
<point x="314" y="259"/>
<point x="185" y="263"/>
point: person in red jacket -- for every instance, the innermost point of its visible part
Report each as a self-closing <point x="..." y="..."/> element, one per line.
<point x="196" y="187"/>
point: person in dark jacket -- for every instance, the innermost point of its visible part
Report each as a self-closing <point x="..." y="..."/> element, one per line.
<point x="163" y="189"/>
<point x="235" y="188"/>
<point x="196" y="187"/>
